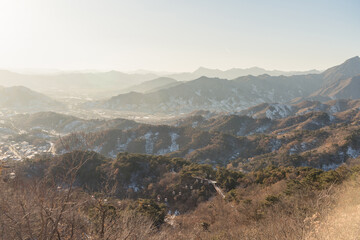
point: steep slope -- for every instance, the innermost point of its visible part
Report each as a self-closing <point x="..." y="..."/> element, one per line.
<point x="166" y="86"/>
<point x="341" y="81"/>
<point x="348" y="69"/>
<point x="345" y="88"/>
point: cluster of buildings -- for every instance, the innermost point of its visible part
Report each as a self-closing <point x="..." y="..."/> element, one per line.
<point x="11" y="150"/>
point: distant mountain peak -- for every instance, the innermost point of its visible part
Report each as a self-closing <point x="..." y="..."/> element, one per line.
<point x="340" y="80"/>
<point x="201" y="69"/>
<point x="351" y="62"/>
<point x="353" y="59"/>
<point x="348" y="69"/>
<point x="256" y="68"/>
<point x="206" y="71"/>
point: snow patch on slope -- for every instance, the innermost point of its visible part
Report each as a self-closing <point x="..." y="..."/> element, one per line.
<point x="334" y="109"/>
<point x="353" y="153"/>
<point x="173" y="147"/>
<point x="149" y="144"/>
<point x="330" y="166"/>
<point x="278" y="110"/>
<point x="275" y="145"/>
<point x="123" y="146"/>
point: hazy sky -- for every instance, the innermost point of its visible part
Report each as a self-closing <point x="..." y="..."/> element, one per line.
<point x="178" y="35"/>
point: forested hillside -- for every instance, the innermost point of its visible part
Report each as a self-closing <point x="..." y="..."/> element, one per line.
<point x="84" y="194"/>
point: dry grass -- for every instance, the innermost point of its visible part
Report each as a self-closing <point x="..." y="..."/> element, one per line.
<point x="319" y="215"/>
<point x="341" y="222"/>
<point x="31" y="212"/>
<point x="36" y="210"/>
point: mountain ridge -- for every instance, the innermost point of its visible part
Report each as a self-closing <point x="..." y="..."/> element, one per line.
<point x="234" y="73"/>
<point x="24" y="99"/>
<point x="216" y="94"/>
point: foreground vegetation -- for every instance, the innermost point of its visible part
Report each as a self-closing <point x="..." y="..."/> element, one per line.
<point x="83" y="195"/>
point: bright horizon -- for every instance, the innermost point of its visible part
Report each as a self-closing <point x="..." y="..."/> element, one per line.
<point x="177" y="36"/>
